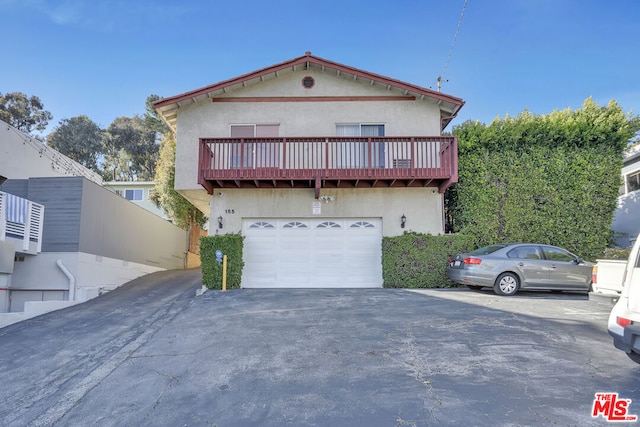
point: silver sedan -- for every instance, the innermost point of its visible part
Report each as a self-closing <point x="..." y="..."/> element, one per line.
<point x="508" y="268"/>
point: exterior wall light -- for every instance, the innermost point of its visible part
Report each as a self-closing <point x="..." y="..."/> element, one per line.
<point x="327" y="199"/>
<point x="220" y="221"/>
<point x="403" y="221"/>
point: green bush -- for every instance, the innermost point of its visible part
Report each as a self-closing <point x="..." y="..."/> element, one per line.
<point x="420" y="260"/>
<point x="231" y="246"/>
<point x="550" y="179"/>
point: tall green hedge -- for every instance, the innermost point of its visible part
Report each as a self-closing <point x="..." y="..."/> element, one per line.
<point x="231" y="246"/>
<point x="420" y="260"/>
<point x="550" y="179"/>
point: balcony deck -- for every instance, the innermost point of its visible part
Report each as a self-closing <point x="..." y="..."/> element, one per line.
<point x="328" y="162"/>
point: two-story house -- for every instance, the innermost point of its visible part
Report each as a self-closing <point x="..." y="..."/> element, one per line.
<point x="313" y="162"/>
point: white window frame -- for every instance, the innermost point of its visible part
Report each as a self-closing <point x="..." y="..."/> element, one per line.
<point x="360" y="126"/>
<point x="262" y="154"/>
<point x="357" y="157"/>
<point x="635" y="175"/>
<point x="133" y="194"/>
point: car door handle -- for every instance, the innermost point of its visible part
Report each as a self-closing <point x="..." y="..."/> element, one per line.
<point x="521" y="264"/>
<point x="553" y="266"/>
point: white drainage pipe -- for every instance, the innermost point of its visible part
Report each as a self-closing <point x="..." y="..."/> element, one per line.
<point x="72" y="280"/>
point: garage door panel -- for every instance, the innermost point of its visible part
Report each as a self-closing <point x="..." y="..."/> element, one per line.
<point x="313" y="253"/>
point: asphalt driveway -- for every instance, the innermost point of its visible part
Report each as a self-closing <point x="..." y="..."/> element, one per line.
<point x="320" y="357"/>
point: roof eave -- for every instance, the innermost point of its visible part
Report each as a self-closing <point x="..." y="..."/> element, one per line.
<point x="172" y="104"/>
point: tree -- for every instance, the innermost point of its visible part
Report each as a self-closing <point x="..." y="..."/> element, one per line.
<point x="131" y="150"/>
<point x="80" y="139"/>
<point x="151" y="118"/>
<point x="549" y="179"/>
<point x="24" y="113"/>
<point x="179" y="209"/>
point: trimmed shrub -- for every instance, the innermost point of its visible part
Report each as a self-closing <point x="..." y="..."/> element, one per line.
<point x="416" y="260"/>
<point x="550" y="179"/>
<point x="231" y="246"/>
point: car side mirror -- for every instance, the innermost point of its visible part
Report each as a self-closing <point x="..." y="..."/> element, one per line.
<point x="579" y="260"/>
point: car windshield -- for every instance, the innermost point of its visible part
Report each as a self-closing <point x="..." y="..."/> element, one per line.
<point x="487" y="250"/>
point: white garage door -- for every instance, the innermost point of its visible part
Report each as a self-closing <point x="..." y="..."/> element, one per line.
<point x="312" y="253"/>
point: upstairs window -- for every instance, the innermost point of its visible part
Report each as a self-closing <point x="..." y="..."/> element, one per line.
<point x="254" y="131"/>
<point x="255" y="154"/>
<point x="359" y="129"/>
<point x="356" y="154"/>
<point x="633" y="182"/>
<point x="134" y="195"/>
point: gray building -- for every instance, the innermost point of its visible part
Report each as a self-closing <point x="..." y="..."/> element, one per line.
<point x="63" y="237"/>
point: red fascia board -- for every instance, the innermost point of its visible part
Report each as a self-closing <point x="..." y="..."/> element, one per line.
<point x="315" y="60"/>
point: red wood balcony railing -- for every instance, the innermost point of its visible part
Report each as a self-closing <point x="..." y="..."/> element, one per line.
<point x="329" y="162"/>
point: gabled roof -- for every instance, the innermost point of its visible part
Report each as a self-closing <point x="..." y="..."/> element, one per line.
<point x="168" y="107"/>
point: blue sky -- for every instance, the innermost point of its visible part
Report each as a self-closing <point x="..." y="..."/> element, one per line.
<point x="102" y="58"/>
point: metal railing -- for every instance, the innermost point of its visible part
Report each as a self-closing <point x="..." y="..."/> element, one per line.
<point x="21" y="220"/>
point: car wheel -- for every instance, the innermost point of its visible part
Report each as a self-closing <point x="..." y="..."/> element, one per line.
<point x="507" y="284"/>
<point x="634" y="356"/>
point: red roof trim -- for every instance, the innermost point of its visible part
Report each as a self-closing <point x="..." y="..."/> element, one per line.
<point x="315" y="60"/>
<point x="316" y="99"/>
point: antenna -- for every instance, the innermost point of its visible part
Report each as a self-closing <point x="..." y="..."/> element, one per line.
<point x="453" y="43"/>
<point x="440" y="82"/>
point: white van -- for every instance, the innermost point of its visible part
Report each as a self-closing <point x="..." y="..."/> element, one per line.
<point x="624" y="320"/>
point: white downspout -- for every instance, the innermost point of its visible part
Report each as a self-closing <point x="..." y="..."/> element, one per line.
<point x="72" y="280"/>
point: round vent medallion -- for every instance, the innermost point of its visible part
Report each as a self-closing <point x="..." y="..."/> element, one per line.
<point x="308" y="82"/>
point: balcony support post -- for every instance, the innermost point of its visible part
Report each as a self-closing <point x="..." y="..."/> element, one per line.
<point x="284" y="160"/>
<point x="369" y="157"/>
<point x="413" y="157"/>
<point x="318" y="186"/>
<point x="242" y="158"/>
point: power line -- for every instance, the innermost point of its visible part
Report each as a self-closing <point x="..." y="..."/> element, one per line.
<point x="453" y="43"/>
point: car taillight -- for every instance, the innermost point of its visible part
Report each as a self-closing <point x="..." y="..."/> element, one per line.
<point x="594" y="275"/>
<point x="474" y="261"/>
<point x="623" y="322"/>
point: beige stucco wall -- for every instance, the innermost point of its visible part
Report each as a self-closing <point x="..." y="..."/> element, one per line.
<point x="421" y="206"/>
<point x="39" y="278"/>
<point x="146" y="187"/>
<point x="22" y="157"/>
<point x="211" y="119"/>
